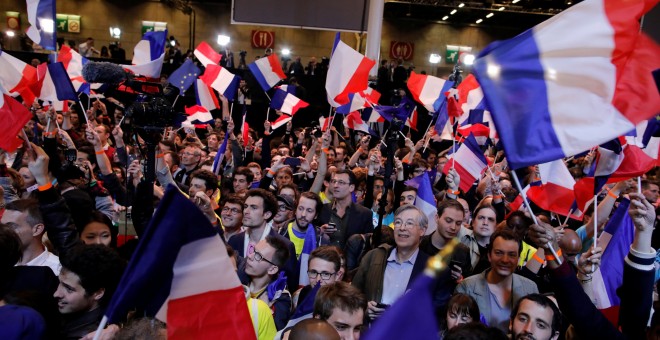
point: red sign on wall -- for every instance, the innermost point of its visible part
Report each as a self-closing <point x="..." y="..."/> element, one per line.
<point x="403" y="50"/>
<point x="263" y="39"/>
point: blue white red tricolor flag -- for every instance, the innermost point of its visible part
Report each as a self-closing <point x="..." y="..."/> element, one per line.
<point x="355" y="122"/>
<point x="286" y="102"/>
<point x="425" y="200"/>
<point x="220" y="155"/>
<point x="54" y="83"/>
<point x="73" y="63"/>
<point x="41" y="16"/>
<point x="222" y="80"/>
<point x="198" y="116"/>
<point x="206" y="55"/>
<point x="205" y="96"/>
<point x="428" y="90"/>
<point x="267" y="71"/>
<point x="13" y="117"/>
<point x="17" y="77"/>
<point x="181" y="274"/>
<point x="348" y="72"/>
<point x="556" y="190"/>
<point x="149" y="54"/>
<point x="552" y="98"/>
<point x="309" y="244"/>
<point x="469" y="162"/>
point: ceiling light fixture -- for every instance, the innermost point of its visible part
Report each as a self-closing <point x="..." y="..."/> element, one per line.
<point x="453" y="12"/>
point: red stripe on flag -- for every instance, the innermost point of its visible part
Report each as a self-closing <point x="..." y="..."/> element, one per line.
<point x="220" y="314"/>
<point x="552" y="197"/>
<point x="359" y="80"/>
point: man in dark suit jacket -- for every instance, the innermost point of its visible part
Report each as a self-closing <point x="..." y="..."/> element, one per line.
<point x="342" y="218"/>
<point x="386" y="272"/>
<point x="260" y="208"/>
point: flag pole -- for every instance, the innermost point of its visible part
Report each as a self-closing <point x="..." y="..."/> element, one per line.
<point x="568" y="216"/>
<point x="531" y="213"/>
<point x="593" y="267"/>
<point x="175" y="99"/>
<point x="639" y="186"/>
<point x="99" y="329"/>
<point x="268" y="113"/>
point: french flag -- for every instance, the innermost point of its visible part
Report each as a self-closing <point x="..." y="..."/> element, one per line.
<point x="206" y="55"/>
<point x="616" y="239"/>
<point x="245" y="130"/>
<point x="149" y="54"/>
<point x="324" y="123"/>
<point x="286" y="102"/>
<point x="354" y="122"/>
<point x="181" y="274"/>
<point x="348" y="72"/>
<point x="371" y="96"/>
<point x="477" y="123"/>
<point x="411" y="122"/>
<point x="198" y="116"/>
<point x="220" y="155"/>
<point x="17" y="77"/>
<point x="471" y="97"/>
<point x="370" y="115"/>
<point x="205" y="96"/>
<point x="222" y="80"/>
<point x="647" y="137"/>
<point x="267" y="71"/>
<point x="552" y="98"/>
<point x="556" y="190"/>
<point x="355" y="102"/>
<point x="429" y="90"/>
<point x="425" y="200"/>
<point x="73" y="63"/>
<point x="309" y="244"/>
<point x="13" y="117"/>
<point x="54" y="83"/>
<point x="41" y="16"/>
<point x="469" y="163"/>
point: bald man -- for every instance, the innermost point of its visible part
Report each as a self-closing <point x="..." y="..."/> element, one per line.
<point x="313" y="329"/>
<point x="570" y="244"/>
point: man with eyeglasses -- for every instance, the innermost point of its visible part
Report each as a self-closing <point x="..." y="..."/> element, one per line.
<point x="386" y="272"/>
<point x="342" y="218"/>
<point x="189" y="162"/>
<point x="323" y="267"/>
<point x="284" y="215"/>
<point x="231" y="215"/>
<point x="262" y="267"/>
<point x="259" y="207"/>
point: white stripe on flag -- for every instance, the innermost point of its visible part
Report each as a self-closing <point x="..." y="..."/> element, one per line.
<point x="469" y="161"/>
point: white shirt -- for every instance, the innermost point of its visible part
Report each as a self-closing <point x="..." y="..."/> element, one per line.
<point x="47" y="259"/>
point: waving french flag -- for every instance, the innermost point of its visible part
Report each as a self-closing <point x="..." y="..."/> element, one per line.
<point x="469" y="163"/>
<point x="471" y="97"/>
<point x="73" y="63"/>
<point x="478" y="123"/>
<point x="149" y="54"/>
<point x="222" y="80"/>
<point x="267" y="71"/>
<point x="425" y="200"/>
<point x="355" y="102"/>
<point x="54" y="83"/>
<point x="286" y="102"/>
<point x="198" y="116"/>
<point x="355" y="122"/>
<point x="181" y="274"/>
<point x="14" y="117"/>
<point x="41" y="16"/>
<point x="556" y="190"/>
<point x="428" y="90"/>
<point x="411" y="122"/>
<point x="348" y="72"/>
<point x="205" y="95"/>
<point x="206" y="55"/>
<point x="553" y="98"/>
<point x="17" y="77"/>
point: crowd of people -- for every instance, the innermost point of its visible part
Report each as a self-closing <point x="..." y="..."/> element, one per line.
<point x="63" y="190"/>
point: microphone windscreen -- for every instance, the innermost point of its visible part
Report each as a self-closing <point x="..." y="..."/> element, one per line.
<point x="103" y="72"/>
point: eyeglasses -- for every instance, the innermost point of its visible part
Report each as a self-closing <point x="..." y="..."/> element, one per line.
<point x="283" y="208"/>
<point x="342" y="183"/>
<point x="324" y="275"/>
<point x="258" y="257"/>
<point x="408" y="224"/>
<point x="231" y="210"/>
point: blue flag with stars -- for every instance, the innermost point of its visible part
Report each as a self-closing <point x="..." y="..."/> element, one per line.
<point x="184" y="76"/>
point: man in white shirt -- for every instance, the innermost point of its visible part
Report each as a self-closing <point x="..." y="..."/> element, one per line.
<point x="24" y="217"/>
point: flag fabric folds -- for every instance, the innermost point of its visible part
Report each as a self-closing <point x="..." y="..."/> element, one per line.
<point x="54" y="83"/>
<point x="267" y="71"/>
<point x="220" y="155"/>
<point x="616" y="238"/>
<point x="41" y="16"/>
<point x="556" y="190"/>
<point x="206" y="55"/>
<point x="411" y="122"/>
<point x="222" y="80"/>
<point x="428" y="90"/>
<point x="552" y="98"/>
<point x="73" y="63"/>
<point x="149" y="54"/>
<point x="355" y="122"/>
<point x="348" y="72"/>
<point x="425" y="200"/>
<point x="17" y="76"/>
<point x="197" y="115"/>
<point x="469" y="163"/>
<point x="286" y="102"/>
<point x="183" y="77"/>
<point x="205" y="96"/>
<point x="355" y="102"/>
<point x="13" y="117"/>
<point x="309" y="244"/>
<point x="181" y="273"/>
<point x="412" y="315"/>
<point x="303" y="311"/>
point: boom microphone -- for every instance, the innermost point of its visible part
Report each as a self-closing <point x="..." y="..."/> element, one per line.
<point x="104" y="72"/>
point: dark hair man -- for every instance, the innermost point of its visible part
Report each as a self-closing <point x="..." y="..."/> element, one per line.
<point x="342" y="306"/>
<point x="535" y="316"/>
<point x="231" y="214"/>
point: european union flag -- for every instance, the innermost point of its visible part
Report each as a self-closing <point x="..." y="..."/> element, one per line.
<point x="184" y="76"/>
